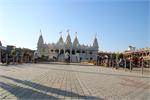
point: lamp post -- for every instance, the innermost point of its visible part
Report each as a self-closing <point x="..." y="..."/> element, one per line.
<point x="141" y="59"/>
<point x="130" y="63"/>
<point x="125" y="62"/>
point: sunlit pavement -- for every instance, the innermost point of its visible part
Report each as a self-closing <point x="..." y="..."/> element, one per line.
<point x="56" y="81"/>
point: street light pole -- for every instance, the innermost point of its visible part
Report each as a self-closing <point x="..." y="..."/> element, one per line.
<point x="130" y="64"/>
<point x="142" y="65"/>
<point x="125" y="64"/>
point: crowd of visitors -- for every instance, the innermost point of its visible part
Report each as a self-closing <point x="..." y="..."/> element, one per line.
<point x="119" y="61"/>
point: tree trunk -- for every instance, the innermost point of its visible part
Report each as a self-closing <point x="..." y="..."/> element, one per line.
<point x="6" y="58"/>
<point x="17" y="60"/>
<point x="21" y="58"/>
<point x="13" y="59"/>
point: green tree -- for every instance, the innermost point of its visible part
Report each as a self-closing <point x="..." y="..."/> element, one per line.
<point x="13" y="53"/>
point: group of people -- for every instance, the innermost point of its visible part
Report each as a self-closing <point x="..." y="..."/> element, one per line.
<point x="121" y="62"/>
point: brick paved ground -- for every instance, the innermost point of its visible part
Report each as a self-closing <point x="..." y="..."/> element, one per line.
<point x="55" y="81"/>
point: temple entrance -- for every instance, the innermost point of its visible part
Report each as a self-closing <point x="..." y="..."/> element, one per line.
<point x="61" y="51"/>
<point x="67" y="51"/>
<point x="60" y="55"/>
<point x="73" y="52"/>
<point x="78" y="51"/>
<point x="57" y="51"/>
<point x="67" y="56"/>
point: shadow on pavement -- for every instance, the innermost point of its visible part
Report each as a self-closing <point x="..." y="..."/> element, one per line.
<point x="63" y="63"/>
<point x="98" y="73"/>
<point x="13" y="89"/>
<point x="23" y="93"/>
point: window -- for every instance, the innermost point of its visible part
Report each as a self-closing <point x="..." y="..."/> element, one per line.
<point x="83" y="51"/>
<point x="148" y="53"/>
<point x="90" y="52"/>
<point x="73" y="52"/>
<point x="80" y="58"/>
<point x="78" y="51"/>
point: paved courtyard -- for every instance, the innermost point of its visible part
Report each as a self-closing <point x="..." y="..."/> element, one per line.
<point x="55" y="81"/>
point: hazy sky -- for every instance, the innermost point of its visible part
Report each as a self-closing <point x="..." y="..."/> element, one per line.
<point x="118" y="23"/>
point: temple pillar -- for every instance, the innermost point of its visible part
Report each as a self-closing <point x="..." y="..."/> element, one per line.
<point x="64" y="51"/>
<point x="59" y="51"/>
<point x="75" y="51"/>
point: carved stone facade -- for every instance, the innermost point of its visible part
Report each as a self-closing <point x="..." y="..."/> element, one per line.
<point x="58" y="50"/>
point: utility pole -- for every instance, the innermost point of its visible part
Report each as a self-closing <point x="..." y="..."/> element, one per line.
<point x="142" y="65"/>
<point x="125" y="64"/>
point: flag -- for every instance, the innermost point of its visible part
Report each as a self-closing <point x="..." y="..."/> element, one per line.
<point x="68" y="30"/>
<point x="60" y="33"/>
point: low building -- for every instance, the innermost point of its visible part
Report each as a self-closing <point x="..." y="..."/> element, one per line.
<point x="2" y="49"/>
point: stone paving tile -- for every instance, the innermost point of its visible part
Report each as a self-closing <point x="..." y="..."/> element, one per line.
<point x="55" y="81"/>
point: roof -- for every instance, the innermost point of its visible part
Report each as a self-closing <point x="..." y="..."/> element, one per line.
<point x="2" y="47"/>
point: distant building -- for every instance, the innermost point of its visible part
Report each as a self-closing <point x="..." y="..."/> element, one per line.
<point x="131" y="48"/>
<point x="2" y="47"/>
<point x="10" y="47"/>
<point x="58" y="50"/>
<point x="0" y="43"/>
<point x="141" y="52"/>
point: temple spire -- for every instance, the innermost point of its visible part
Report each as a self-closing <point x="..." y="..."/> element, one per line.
<point x="68" y="40"/>
<point x="95" y="43"/>
<point x="76" y="34"/>
<point x="60" y="33"/>
<point x="68" y="31"/>
<point x="40" y="41"/>
<point x="40" y="32"/>
<point x="76" y="42"/>
<point x="95" y="34"/>
<point x="61" y="41"/>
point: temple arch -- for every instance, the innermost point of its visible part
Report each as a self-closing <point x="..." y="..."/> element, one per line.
<point x="78" y="51"/>
<point x="73" y="52"/>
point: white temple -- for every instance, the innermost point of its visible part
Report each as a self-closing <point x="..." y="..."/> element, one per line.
<point x="58" y="50"/>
